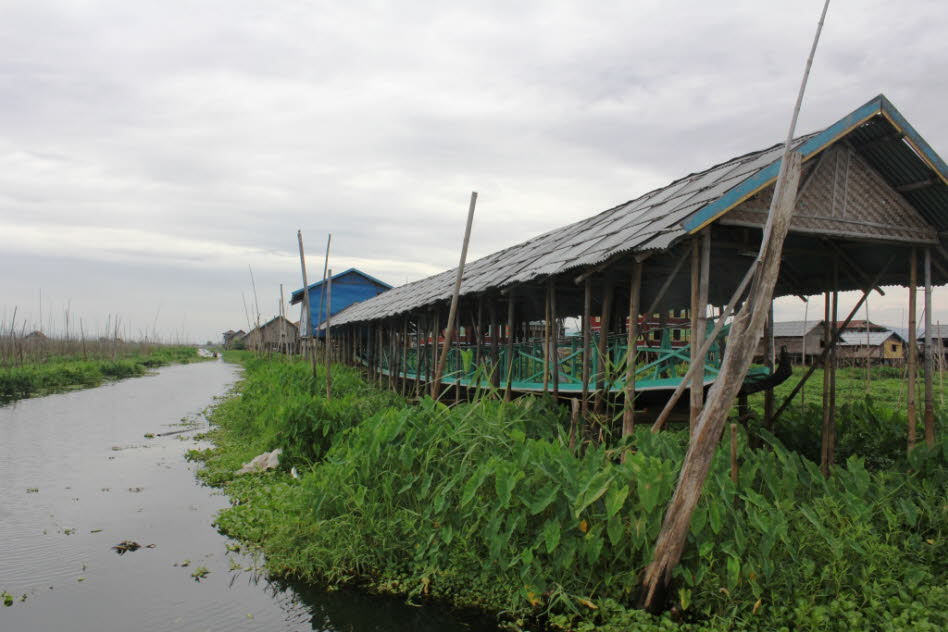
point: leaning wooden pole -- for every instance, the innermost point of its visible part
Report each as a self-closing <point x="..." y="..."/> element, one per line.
<point x="745" y="332"/>
<point x="308" y="308"/>
<point x="452" y="313"/>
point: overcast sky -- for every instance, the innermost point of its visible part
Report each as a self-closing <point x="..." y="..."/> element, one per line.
<point x="150" y="151"/>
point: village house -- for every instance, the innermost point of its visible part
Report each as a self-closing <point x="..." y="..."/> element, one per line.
<point x="348" y="287"/>
<point x="277" y="334"/>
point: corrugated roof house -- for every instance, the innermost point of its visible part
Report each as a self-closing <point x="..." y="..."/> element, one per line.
<point x="348" y="287"/>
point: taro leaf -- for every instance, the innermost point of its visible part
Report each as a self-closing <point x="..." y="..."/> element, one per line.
<point x="616" y="530"/>
<point x="715" y="514"/>
<point x="699" y="518"/>
<point x="733" y="572"/>
<point x="542" y="500"/>
<point x="648" y="492"/>
<point x="473" y="484"/>
<point x="551" y="535"/>
<point x="504" y="483"/>
<point x="615" y="498"/>
<point x="593" y="490"/>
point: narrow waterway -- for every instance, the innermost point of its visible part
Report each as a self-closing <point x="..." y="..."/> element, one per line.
<point x="78" y="476"/>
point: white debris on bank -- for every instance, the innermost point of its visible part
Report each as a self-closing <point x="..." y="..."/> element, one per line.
<point x="265" y="461"/>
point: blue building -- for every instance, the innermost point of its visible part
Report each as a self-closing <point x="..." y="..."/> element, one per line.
<point x="348" y="287"/>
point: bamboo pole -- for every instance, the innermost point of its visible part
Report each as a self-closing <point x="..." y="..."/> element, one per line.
<point x="419" y="352"/>
<point x="913" y="348"/>
<point x="834" y="363"/>
<point x="929" y="360"/>
<point x="452" y="313"/>
<point x="329" y="336"/>
<point x="635" y="294"/>
<point x="403" y="385"/>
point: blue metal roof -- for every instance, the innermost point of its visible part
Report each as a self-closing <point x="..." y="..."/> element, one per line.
<point x="297" y="295"/>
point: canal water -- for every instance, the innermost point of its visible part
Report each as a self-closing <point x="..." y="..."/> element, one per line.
<point x="78" y="476"/>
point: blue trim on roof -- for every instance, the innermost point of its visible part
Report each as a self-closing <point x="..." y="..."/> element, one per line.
<point x="297" y="295"/>
<point x="765" y="176"/>
<point x="915" y="138"/>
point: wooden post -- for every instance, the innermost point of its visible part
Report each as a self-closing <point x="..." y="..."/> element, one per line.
<point x="546" y="342"/>
<point x="769" y="363"/>
<point x="510" y="346"/>
<point x="834" y="356"/>
<point x="929" y="361"/>
<point x="403" y="377"/>
<point x="587" y="336"/>
<point x="828" y="339"/>
<point x="419" y="352"/>
<point x="452" y="313"/>
<point x="329" y="336"/>
<point x="435" y="349"/>
<point x="700" y="271"/>
<point x="574" y="429"/>
<point x="494" y="348"/>
<point x="913" y="348"/>
<point x="635" y="292"/>
<point x="556" y="339"/>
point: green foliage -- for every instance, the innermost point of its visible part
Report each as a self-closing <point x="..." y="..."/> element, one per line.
<point x="484" y="504"/>
<point x="62" y="373"/>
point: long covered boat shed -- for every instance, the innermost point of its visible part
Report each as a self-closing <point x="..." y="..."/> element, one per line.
<point x="871" y="211"/>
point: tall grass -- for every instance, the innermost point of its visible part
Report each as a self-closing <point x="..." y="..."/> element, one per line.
<point x="485" y="504"/>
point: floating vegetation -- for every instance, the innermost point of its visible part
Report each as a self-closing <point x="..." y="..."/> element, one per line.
<point x="200" y="573"/>
<point x="32" y="490"/>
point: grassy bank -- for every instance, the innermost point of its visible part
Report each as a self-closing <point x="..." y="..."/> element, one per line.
<point x="62" y="373"/>
<point x="485" y="505"/>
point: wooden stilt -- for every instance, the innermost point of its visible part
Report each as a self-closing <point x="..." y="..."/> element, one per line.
<point x="632" y="336"/>
<point x="929" y="359"/>
<point x="913" y="347"/>
<point x="587" y="337"/>
<point x="494" y="343"/>
<point x="419" y="352"/>
<point x="734" y="471"/>
<point x="834" y="363"/>
<point x="508" y="391"/>
<point x="546" y="343"/>
<point x="555" y="351"/>
<point x="827" y="340"/>
<point x="574" y="429"/>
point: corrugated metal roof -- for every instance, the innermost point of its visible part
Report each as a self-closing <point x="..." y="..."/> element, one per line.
<point x="795" y="328"/>
<point x="654" y="221"/>
<point x="938" y="331"/>
<point x="860" y="338"/>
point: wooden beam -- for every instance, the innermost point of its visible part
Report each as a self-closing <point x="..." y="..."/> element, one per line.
<point x="556" y="339"/>
<point x="860" y="278"/>
<point x="667" y="284"/>
<point x="915" y="186"/>
<point x="510" y="346"/>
